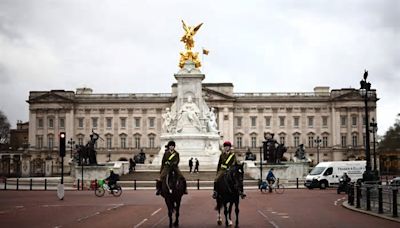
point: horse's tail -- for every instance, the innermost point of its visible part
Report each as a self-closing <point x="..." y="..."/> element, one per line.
<point x="219" y="204"/>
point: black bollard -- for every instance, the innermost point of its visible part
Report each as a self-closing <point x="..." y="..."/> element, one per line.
<point x="30" y="188"/>
<point x="78" y="184"/>
<point x="358" y="204"/>
<point x="45" y="184"/>
<point x="297" y="182"/>
<point x="198" y="184"/>
<point x="134" y="184"/>
<point x="17" y="183"/>
<point x="351" y="194"/>
<point x="395" y="191"/>
<point x="368" y="198"/>
<point x="5" y="183"/>
<point x="380" y="200"/>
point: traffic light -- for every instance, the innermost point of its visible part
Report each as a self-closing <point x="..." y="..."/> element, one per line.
<point x="62" y="144"/>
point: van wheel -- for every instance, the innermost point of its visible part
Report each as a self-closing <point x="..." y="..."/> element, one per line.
<point x="323" y="184"/>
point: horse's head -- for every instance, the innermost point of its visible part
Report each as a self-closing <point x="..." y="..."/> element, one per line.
<point x="236" y="173"/>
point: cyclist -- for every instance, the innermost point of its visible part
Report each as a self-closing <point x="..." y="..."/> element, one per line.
<point x="112" y="179"/>
<point x="271" y="177"/>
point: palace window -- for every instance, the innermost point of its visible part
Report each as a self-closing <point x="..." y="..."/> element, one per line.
<point x="109" y="142"/>
<point x="324" y="141"/>
<point x="50" y="141"/>
<point x="151" y="122"/>
<point x="95" y="122"/>
<point x="324" y="121"/>
<point x="344" y="141"/>
<point x="238" y="121"/>
<point x="50" y="123"/>
<point x="311" y="141"/>
<point x="296" y="140"/>
<point x="109" y="122"/>
<point x="40" y="122"/>
<point x="311" y="121"/>
<point x="239" y="142"/>
<point x="253" y="121"/>
<point x="343" y="121"/>
<point x="267" y="121"/>
<point x="62" y="123"/>
<point x="354" y="139"/>
<point x="137" y="122"/>
<point x="354" y="121"/>
<point x="137" y="141"/>
<point x="296" y="121"/>
<point x="39" y="141"/>
<point x="253" y="141"/>
<point x="281" y="121"/>
<point x="123" y="122"/>
<point x="151" y="141"/>
<point x="80" y="122"/>
<point x="123" y="142"/>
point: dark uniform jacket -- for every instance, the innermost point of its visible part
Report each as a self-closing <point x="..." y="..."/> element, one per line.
<point x="226" y="160"/>
<point x="169" y="160"/>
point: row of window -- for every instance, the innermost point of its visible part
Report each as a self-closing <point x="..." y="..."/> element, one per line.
<point x="312" y="141"/>
<point x="108" y="142"/>
<point x="50" y="122"/>
<point x="282" y="121"/>
<point x="122" y="122"/>
<point x="354" y="121"/>
<point x="354" y="140"/>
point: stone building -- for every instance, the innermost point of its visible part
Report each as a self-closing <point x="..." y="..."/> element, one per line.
<point x="128" y="123"/>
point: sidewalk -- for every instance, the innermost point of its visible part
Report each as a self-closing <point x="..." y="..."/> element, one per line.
<point x="373" y="213"/>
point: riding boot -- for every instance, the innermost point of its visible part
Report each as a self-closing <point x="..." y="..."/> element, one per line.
<point x="158" y="187"/>
<point x="214" y="196"/>
<point x="242" y="194"/>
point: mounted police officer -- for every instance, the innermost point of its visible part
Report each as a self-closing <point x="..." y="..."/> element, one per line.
<point x="170" y="160"/>
<point x="226" y="160"/>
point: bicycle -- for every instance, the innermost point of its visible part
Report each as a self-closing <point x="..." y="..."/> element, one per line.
<point x="103" y="187"/>
<point x="278" y="188"/>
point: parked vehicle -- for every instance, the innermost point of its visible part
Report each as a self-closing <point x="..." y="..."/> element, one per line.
<point x="327" y="174"/>
<point x="103" y="187"/>
<point x="395" y="181"/>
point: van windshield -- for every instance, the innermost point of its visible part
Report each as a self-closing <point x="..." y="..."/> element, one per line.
<point x="317" y="170"/>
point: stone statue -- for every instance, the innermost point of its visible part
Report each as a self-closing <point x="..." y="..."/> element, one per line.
<point x="189" y="114"/>
<point x="90" y="147"/>
<point x="212" y="121"/>
<point x="300" y="153"/>
<point x="187" y="38"/>
<point x="280" y="150"/>
<point x="167" y="124"/>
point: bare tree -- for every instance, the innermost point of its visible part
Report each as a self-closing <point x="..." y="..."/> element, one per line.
<point x="4" y="128"/>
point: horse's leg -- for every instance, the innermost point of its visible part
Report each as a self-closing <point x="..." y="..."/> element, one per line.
<point x="226" y="214"/>
<point x="170" y="209"/>
<point x="178" y="204"/>
<point x="237" y="213"/>
<point x="230" y="213"/>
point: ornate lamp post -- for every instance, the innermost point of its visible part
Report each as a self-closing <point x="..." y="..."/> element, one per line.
<point x="71" y="143"/>
<point x="318" y="142"/>
<point x="365" y="92"/>
<point x="374" y="129"/>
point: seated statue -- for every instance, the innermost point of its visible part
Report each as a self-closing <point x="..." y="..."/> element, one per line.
<point x="189" y="114"/>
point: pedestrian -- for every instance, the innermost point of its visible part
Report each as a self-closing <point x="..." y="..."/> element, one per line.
<point x="131" y="166"/>
<point x="190" y="165"/>
<point x="196" y="167"/>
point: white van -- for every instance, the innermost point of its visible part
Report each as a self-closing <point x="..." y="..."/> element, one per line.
<point x="326" y="174"/>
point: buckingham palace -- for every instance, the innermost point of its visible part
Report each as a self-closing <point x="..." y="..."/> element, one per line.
<point x="132" y="122"/>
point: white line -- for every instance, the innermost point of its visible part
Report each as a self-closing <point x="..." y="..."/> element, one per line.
<point x="143" y="221"/>
<point x="156" y="211"/>
<point x="270" y="221"/>
<point x="159" y="221"/>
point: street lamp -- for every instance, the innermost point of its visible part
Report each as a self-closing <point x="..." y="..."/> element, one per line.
<point x="71" y="143"/>
<point x="374" y="127"/>
<point x="318" y="142"/>
<point x="365" y="92"/>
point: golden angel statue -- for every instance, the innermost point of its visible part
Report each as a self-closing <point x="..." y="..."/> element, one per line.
<point x="187" y="38"/>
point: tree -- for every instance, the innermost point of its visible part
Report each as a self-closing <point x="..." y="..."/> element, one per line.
<point x="391" y="139"/>
<point x="4" y="128"/>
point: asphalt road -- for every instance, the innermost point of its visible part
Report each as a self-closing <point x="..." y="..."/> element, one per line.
<point x="294" y="208"/>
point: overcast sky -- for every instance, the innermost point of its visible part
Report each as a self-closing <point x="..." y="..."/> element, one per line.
<point x="260" y="46"/>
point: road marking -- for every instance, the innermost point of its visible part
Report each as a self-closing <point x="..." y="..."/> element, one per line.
<point x="337" y="201"/>
<point x="160" y="221"/>
<point x="156" y="211"/>
<point x="143" y="221"/>
<point x="19" y="207"/>
<point x="270" y="221"/>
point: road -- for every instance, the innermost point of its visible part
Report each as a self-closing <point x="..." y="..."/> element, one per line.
<point x="294" y="208"/>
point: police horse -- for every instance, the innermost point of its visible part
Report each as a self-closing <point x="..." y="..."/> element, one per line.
<point x="172" y="189"/>
<point x="228" y="187"/>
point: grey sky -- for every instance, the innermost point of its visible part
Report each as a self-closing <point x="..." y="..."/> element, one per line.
<point x="260" y="46"/>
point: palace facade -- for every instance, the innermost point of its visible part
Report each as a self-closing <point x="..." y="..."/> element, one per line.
<point x="130" y="123"/>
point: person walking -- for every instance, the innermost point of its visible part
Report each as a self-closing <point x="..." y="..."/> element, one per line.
<point x="190" y="165"/>
<point x="196" y="167"/>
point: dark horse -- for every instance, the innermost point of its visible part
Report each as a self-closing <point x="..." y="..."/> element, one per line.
<point x="228" y="187"/>
<point x="172" y="189"/>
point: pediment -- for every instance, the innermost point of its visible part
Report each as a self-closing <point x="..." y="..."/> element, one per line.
<point x="50" y="98"/>
<point x="210" y="94"/>
<point x="351" y="95"/>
